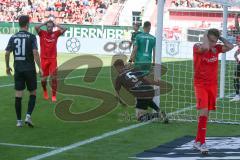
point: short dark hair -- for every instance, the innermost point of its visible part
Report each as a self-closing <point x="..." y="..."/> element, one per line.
<point x="146" y="24"/>
<point x="50" y="22"/>
<point x="213" y="31"/>
<point x="23" y="20"/>
<point x="118" y="62"/>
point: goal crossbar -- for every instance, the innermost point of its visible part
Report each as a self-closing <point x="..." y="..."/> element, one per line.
<point x="226" y="2"/>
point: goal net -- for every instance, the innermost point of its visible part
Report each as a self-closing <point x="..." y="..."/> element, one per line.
<point x="184" y="25"/>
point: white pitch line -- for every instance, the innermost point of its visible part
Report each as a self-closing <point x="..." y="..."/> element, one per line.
<point x="27" y="146"/>
<point x="182" y="110"/>
<point x="12" y="84"/>
<point x="94" y="139"/>
<point x="87" y="141"/>
<point x="6" y="85"/>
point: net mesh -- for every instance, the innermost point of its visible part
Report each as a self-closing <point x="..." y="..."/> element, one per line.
<point x="184" y="25"/>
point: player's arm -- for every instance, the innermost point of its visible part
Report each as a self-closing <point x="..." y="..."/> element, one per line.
<point x="37" y="60"/>
<point x="8" y="50"/>
<point x="134" y="51"/>
<point x="236" y="56"/>
<point x="7" y="59"/>
<point x="132" y="38"/>
<point x="237" y="22"/>
<point x="151" y="81"/>
<point x="35" y="53"/>
<point x="227" y="46"/>
<point x="61" y="28"/>
<point x="118" y="86"/>
<point x="133" y="54"/>
<point x="119" y="98"/>
<point x="38" y="27"/>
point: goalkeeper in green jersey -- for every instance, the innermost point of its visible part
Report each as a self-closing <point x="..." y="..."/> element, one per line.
<point x="143" y="54"/>
<point x="135" y="33"/>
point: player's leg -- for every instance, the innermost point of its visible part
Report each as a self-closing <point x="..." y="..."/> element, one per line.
<point x="45" y="69"/>
<point x="53" y="73"/>
<point x="202" y="105"/>
<point x="237" y="83"/>
<point x="141" y="108"/>
<point x="202" y="129"/>
<point x="212" y="98"/>
<point x="161" y="114"/>
<point x="203" y="118"/>
<point x="19" y="87"/>
<point x="18" y="107"/>
<point x="31" y="82"/>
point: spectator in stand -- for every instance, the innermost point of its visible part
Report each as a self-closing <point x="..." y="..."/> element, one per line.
<point x="193" y="4"/>
<point x="70" y="11"/>
<point x="58" y="5"/>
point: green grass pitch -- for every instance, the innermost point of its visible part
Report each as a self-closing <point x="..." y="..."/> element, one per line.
<point x="51" y="131"/>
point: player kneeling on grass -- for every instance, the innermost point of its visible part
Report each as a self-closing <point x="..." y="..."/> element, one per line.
<point x="24" y="47"/>
<point x="141" y="87"/>
<point x="205" y="59"/>
<point x="48" y="54"/>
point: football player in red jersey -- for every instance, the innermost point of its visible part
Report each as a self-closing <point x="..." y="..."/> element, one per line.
<point x="48" y="54"/>
<point x="237" y="71"/>
<point x="205" y="59"/>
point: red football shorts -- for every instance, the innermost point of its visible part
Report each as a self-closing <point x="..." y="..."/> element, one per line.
<point x="206" y="96"/>
<point x="49" y="66"/>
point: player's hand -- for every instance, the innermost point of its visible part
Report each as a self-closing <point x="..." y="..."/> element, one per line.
<point x="205" y="44"/>
<point x="9" y="71"/>
<point x="237" y="60"/>
<point x="130" y="63"/>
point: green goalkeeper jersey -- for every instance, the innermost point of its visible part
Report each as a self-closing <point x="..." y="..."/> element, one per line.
<point x="145" y="43"/>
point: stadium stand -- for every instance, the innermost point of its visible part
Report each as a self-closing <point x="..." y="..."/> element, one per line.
<point x="64" y="11"/>
<point x="194" y="4"/>
<point x="195" y="10"/>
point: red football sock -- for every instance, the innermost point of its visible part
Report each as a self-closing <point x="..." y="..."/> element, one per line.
<point x="54" y="87"/>
<point x="202" y="129"/>
<point x="44" y="85"/>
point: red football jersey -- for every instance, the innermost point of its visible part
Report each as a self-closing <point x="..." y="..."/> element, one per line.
<point x="206" y="65"/>
<point x="48" y="43"/>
